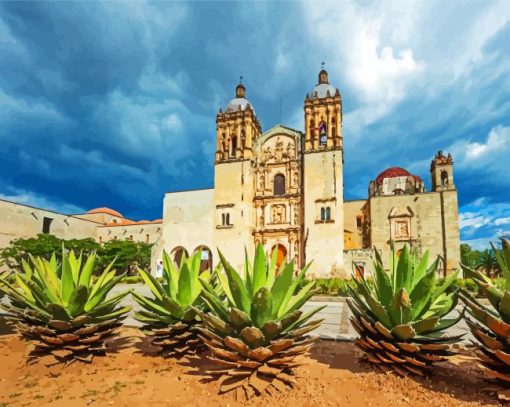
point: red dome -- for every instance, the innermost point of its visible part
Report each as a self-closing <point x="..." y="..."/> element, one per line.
<point x="107" y="211"/>
<point x="392" y="172"/>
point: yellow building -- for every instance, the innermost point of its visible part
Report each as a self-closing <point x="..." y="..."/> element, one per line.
<point x="284" y="189"/>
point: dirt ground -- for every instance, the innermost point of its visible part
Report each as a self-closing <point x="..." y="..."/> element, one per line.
<point x="128" y="376"/>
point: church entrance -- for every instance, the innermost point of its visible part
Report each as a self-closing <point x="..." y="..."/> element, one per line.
<point x="282" y="254"/>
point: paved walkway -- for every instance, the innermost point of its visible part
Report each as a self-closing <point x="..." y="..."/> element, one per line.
<point x="336" y="325"/>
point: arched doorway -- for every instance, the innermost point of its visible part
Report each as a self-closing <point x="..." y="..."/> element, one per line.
<point x="206" y="258"/>
<point x="282" y="254"/>
<point x="177" y="255"/>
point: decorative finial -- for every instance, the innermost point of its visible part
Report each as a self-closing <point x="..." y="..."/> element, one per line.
<point x="322" y="64"/>
<point x="241" y="79"/>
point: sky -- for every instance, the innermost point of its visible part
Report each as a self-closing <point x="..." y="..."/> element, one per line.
<point x="113" y="104"/>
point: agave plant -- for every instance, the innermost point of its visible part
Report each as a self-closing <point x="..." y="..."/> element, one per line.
<point x="62" y="309"/>
<point x="401" y="317"/>
<point x="168" y="316"/>
<point x="258" y="332"/>
<point x="490" y="325"/>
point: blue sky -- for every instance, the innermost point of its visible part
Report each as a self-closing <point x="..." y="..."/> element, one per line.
<point x="113" y="104"/>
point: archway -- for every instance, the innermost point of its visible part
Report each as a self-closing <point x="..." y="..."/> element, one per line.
<point x="282" y="254"/>
<point x="177" y="255"/>
<point x="444" y="178"/>
<point x="206" y="261"/>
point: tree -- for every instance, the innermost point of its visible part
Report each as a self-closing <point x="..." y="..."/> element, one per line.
<point x="127" y="254"/>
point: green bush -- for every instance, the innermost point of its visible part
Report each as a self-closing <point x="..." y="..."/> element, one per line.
<point x="128" y="255"/>
<point x="466" y="284"/>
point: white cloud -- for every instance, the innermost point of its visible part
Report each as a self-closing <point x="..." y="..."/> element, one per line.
<point x="471" y="220"/>
<point x="365" y="48"/>
<point x="28" y="109"/>
<point x="39" y="201"/>
<point x="502" y="221"/>
<point x="492" y="154"/>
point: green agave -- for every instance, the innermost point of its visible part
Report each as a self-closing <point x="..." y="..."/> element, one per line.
<point x="168" y="316"/>
<point x="62" y="309"/>
<point x="256" y="334"/>
<point x="490" y="325"/>
<point x="401" y="317"/>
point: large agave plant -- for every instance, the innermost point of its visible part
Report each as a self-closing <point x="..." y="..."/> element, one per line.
<point x="168" y="316"/>
<point x="62" y="309"/>
<point x="256" y="335"/>
<point x="490" y="325"/>
<point x="401" y="317"/>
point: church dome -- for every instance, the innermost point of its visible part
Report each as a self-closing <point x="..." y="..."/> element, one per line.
<point x="392" y="172"/>
<point x="323" y="87"/>
<point x="108" y="211"/>
<point x="239" y="102"/>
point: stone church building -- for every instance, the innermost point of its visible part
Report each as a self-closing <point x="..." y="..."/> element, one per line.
<point x="284" y="188"/>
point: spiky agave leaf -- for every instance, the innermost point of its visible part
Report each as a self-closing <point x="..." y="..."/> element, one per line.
<point x="257" y="333"/>
<point x="401" y="318"/>
<point x="61" y="308"/>
<point x="490" y="325"/>
<point x="167" y="315"/>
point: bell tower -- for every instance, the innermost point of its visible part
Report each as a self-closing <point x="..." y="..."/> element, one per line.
<point x="441" y="172"/>
<point x="236" y="129"/>
<point x="236" y="132"/>
<point x="323" y="116"/>
<point x="323" y="179"/>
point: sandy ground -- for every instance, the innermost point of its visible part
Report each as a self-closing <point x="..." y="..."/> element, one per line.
<point x="128" y="376"/>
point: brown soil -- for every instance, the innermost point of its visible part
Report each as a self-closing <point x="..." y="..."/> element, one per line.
<point x="128" y="376"/>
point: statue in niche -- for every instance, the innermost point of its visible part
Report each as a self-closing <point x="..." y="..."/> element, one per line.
<point x="296" y="214"/>
<point x="402" y="229"/>
<point x="261" y="220"/>
<point x="290" y="150"/>
<point x="262" y="181"/>
<point x="267" y="153"/>
<point x="295" y="179"/>
<point x="279" y="149"/>
<point x="278" y="214"/>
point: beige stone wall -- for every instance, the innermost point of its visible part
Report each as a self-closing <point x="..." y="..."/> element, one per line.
<point x="188" y="218"/>
<point x="323" y="186"/>
<point x="233" y="195"/>
<point x="360" y="257"/>
<point x="425" y="224"/>
<point x="22" y="221"/>
<point x="147" y="233"/>
<point x="353" y="209"/>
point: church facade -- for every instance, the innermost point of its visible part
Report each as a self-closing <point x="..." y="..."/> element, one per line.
<point x="284" y="188"/>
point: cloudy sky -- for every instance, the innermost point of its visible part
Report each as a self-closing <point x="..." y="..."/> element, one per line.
<point x="113" y="104"/>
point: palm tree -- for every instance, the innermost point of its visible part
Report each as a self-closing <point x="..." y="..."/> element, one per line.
<point x="488" y="264"/>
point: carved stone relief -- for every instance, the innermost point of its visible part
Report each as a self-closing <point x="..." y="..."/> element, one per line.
<point x="278" y="213"/>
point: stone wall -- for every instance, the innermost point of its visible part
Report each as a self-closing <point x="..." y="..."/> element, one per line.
<point x="23" y="221"/>
<point x="188" y="219"/>
<point x="353" y="237"/>
<point x="417" y="220"/>
<point x="138" y="232"/>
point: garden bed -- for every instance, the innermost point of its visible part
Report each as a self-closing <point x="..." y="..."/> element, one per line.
<point x="128" y="377"/>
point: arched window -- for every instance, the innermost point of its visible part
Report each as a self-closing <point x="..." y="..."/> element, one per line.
<point x="228" y="219"/>
<point x="233" y="146"/>
<point x="328" y="213"/>
<point x="444" y="178"/>
<point x="323" y="137"/>
<point x="279" y="184"/>
<point x="323" y="213"/>
<point x="223" y="219"/>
